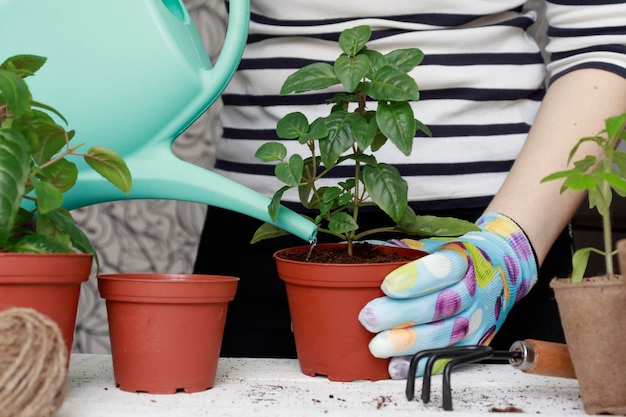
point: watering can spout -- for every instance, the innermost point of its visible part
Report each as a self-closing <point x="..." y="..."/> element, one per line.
<point x="165" y="174"/>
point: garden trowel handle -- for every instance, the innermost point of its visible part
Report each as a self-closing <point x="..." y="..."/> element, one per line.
<point x="543" y="358"/>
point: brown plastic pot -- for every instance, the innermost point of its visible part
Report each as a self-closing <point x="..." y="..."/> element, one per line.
<point x="49" y="283"/>
<point x="166" y="329"/>
<point x="592" y="314"/>
<point x="324" y="303"/>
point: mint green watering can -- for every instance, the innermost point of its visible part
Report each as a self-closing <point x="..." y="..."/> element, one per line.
<point x="132" y="75"/>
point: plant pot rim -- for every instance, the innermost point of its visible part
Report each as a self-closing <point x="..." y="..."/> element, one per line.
<point x="46" y="255"/>
<point x="45" y="268"/>
<point x="167" y="277"/>
<point x="166" y="288"/>
<point x="596" y="281"/>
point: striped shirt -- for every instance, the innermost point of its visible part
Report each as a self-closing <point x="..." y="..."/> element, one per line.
<point x="481" y="82"/>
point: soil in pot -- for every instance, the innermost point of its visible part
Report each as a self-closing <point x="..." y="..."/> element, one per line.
<point x="166" y="329"/>
<point x="592" y="314"/>
<point x="362" y="253"/>
<point x="325" y="301"/>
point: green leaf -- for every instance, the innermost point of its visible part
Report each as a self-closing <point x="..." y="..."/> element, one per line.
<point x="62" y="174"/>
<point x="51" y="139"/>
<point x="559" y="175"/>
<point x="617" y="183"/>
<point x="342" y="222"/>
<point x="364" y="132"/>
<point x="619" y="158"/>
<point x="317" y="130"/>
<point x="65" y="223"/>
<point x="423" y="128"/>
<point x="49" y="197"/>
<point x="405" y="59"/>
<point x="352" y="40"/>
<point x="584" y="164"/>
<point x="364" y="159"/>
<point x="267" y="231"/>
<point x="435" y="226"/>
<point x="377" y="60"/>
<point x="578" y="182"/>
<point x="579" y="263"/>
<point x="111" y="166"/>
<point x="597" y="139"/>
<point x="271" y="151"/>
<point x="615" y="125"/>
<point x="389" y="83"/>
<point x="397" y="123"/>
<point x="45" y="227"/>
<point x="274" y="205"/>
<point x="15" y="92"/>
<point x="315" y="76"/>
<point x="344" y="199"/>
<point x="351" y="70"/>
<point x="330" y="194"/>
<point x="40" y="244"/>
<point x="339" y="138"/>
<point x="387" y="189"/>
<point x="378" y="142"/>
<point x="292" y="126"/>
<point x="14" y="169"/>
<point x="28" y="131"/>
<point x="50" y="109"/>
<point x="600" y="201"/>
<point x="24" y="65"/>
<point x="290" y="172"/>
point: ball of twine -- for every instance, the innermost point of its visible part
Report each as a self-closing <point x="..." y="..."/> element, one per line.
<point x="33" y="364"/>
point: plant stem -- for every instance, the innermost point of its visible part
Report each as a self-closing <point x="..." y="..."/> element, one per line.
<point x="608" y="238"/>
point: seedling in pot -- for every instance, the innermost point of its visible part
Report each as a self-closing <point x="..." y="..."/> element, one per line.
<point x="352" y="133"/>
<point x="601" y="177"/>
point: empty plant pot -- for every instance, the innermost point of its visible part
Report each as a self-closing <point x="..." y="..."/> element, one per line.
<point x="166" y="329"/>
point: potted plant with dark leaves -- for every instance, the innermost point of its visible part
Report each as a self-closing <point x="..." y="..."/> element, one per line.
<point x="592" y="309"/>
<point x="373" y="111"/>
<point x="44" y="255"/>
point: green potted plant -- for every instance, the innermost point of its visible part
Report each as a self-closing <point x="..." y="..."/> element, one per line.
<point x="352" y="132"/>
<point x="592" y="309"/>
<point x="44" y="256"/>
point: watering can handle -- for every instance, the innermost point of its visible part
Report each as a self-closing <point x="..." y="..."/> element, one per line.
<point x="234" y="43"/>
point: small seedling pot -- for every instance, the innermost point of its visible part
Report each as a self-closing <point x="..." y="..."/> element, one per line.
<point x="592" y="314"/>
<point x="324" y="303"/>
<point x="166" y="329"/>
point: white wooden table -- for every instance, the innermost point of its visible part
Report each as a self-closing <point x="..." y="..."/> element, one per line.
<point x="276" y="387"/>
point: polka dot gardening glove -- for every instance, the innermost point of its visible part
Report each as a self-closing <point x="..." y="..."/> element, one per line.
<point x="459" y="294"/>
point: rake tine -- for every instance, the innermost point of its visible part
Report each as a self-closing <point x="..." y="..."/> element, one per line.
<point x="476" y="353"/>
<point x="433" y="355"/>
<point x="412" y="374"/>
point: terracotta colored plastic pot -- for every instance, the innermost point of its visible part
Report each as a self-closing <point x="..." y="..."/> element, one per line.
<point x="166" y="329"/>
<point x="324" y="302"/>
<point x="592" y="314"/>
<point x="49" y="283"/>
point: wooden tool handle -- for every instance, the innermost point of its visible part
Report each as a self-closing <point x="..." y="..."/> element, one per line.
<point x="544" y="358"/>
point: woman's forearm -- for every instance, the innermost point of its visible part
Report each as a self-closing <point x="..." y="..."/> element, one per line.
<point x="575" y="106"/>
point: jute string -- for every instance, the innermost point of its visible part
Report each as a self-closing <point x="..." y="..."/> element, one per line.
<point x="33" y="364"/>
